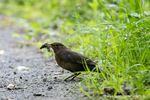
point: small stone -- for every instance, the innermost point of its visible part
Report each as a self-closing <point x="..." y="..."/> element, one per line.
<point x="55" y="77"/>
<point x="10" y="66"/>
<point x="15" y="73"/>
<point x="127" y="91"/>
<point x="38" y="94"/>
<point x="108" y="90"/>
<point x="49" y="88"/>
<point x="20" y="77"/>
<point x="11" y="87"/>
<point x="67" y="89"/>
<point x="44" y="79"/>
<point x="33" y="75"/>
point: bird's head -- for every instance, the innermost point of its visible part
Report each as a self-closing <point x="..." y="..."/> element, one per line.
<point x="56" y="46"/>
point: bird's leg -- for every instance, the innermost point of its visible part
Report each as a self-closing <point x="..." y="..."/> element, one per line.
<point x="68" y="77"/>
<point x="75" y="75"/>
<point x="72" y="76"/>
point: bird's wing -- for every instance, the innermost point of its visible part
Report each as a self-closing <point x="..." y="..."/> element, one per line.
<point x="73" y="57"/>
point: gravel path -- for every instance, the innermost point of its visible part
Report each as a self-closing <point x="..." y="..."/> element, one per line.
<point x="34" y="77"/>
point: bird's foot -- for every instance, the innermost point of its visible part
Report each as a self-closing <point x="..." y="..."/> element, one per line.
<point x="72" y="77"/>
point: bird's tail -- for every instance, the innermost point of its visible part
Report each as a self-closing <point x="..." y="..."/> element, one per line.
<point x="94" y="68"/>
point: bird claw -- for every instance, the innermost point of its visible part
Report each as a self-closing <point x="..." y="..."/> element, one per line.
<point x="67" y="79"/>
<point x="72" y="77"/>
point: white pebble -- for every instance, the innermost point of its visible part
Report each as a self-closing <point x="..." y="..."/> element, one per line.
<point x="11" y="87"/>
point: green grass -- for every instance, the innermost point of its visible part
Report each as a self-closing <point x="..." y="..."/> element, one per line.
<point x="115" y="33"/>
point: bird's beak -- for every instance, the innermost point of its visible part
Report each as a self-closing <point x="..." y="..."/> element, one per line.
<point x="43" y="46"/>
<point x="46" y="46"/>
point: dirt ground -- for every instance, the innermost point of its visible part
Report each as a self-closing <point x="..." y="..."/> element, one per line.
<point x="33" y="76"/>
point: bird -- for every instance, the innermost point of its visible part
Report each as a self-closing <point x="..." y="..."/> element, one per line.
<point x="70" y="60"/>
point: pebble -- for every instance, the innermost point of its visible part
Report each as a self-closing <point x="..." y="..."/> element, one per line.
<point x="15" y="73"/>
<point x="20" y="77"/>
<point x="49" y="88"/>
<point x="55" y="77"/>
<point x="108" y="90"/>
<point x="44" y="79"/>
<point x="38" y="94"/>
<point x="11" y="86"/>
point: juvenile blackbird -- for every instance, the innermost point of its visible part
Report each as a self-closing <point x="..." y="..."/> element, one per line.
<point x="70" y="60"/>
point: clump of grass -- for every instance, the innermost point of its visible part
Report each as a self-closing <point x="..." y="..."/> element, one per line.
<point x="121" y="46"/>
